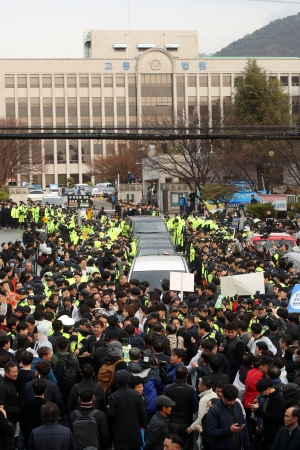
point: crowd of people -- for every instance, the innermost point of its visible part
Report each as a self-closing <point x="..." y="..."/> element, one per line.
<point x="92" y="360"/>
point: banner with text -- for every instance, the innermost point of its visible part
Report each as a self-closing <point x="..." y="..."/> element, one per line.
<point x="278" y="200"/>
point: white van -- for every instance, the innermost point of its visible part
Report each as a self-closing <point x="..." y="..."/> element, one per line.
<point x="82" y="187"/>
<point x="155" y="268"/>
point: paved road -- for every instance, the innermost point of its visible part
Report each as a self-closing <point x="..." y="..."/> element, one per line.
<point x="10" y="235"/>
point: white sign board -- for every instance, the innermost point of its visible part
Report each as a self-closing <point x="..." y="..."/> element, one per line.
<point x="294" y="303"/>
<point x="242" y="284"/>
<point x="180" y="281"/>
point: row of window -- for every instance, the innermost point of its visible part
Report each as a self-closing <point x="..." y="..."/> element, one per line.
<point x="72" y="110"/>
<point x="60" y="156"/>
<point x="146" y="80"/>
<point x="59" y="81"/>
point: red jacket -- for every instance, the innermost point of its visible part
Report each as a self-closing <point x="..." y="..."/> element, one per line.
<point x="250" y="386"/>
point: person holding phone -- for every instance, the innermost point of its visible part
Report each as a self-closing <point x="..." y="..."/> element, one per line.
<point x="226" y="424"/>
<point x="272" y="414"/>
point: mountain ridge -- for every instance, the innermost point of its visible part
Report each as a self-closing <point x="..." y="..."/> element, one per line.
<point x="279" y="38"/>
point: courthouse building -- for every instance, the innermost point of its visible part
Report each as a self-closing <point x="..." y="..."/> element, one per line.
<point x="123" y="77"/>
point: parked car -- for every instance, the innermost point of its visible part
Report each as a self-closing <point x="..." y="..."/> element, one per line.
<point x="88" y="190"/>
<point x="69" y="190"/>
<point x="99" y="187"/>
<point x="108" y="190"/>
<point x="35" y="194"/>
<point x="55" y="200"/>
<point x="82" y="186"/>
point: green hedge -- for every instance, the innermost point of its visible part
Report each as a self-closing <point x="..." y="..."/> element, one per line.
<point x="4" y="196"/>
<point x="260" y="210"/>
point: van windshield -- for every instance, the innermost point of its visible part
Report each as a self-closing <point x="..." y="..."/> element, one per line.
<point x="150" y="227"/>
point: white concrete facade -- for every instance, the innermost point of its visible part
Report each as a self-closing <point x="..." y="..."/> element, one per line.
<point x="110" y="92"/>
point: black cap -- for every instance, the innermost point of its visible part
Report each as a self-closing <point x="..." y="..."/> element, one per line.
<point x="85" y="321"/>
<point x="163" y="400"/>
<point x="22" y="291"/>
<point x="84" y="293"/>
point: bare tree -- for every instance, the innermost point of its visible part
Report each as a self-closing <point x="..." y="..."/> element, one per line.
<point x="192" y="161"/>
<point x="117" y="161"/>
<point x="18" y="157"/>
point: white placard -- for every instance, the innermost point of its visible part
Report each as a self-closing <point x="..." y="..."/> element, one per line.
<point x="242" y="284"/>
<point x="180" y="281"/>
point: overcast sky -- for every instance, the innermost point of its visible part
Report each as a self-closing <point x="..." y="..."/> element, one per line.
<point x="54" y="29"/>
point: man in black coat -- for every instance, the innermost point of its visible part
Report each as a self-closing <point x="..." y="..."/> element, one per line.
<point x="234" y="349"/>
<point x="186" y="404"/>
<point x="42" y="369"/>
<point x="9" y="396"/>
<point x="128" y="414"/>
<point x="159" y="425"/>
<point x="158" y="330"/>
<point x="272" y="414"/>
<point x="288" y="437"/>
<point x="99" y="399"/>
<point x="86" y="407"/>
<point x="6" y="428"/>
<point x="30" y="417"/>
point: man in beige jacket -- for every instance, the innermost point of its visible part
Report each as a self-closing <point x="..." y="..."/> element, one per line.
<point x="206" y="394"/>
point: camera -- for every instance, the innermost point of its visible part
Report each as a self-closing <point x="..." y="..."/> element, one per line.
<point x="165" y="377"/>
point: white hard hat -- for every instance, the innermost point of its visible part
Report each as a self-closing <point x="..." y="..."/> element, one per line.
<point x="67" y="321"/>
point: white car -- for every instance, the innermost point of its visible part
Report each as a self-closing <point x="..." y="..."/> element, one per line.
<point x="35" y="194"/>
<point x="100" y="187"/>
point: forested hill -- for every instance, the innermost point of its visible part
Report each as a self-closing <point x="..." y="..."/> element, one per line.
<point x="279" y="38"/>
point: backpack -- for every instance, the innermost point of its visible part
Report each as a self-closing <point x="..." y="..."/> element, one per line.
<point x="66" y="372"/>
<point x="106" y="376"/>
<point x="85" y="430"/>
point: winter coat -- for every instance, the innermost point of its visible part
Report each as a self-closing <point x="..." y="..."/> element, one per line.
<point x="157" y="432"/>
<point x="185" y="398"/>
<point x="285" y="440"/>
<point x="9" y="396"/>
<point x="101" y="423"/>
<point x="175" y="341"/>
<point x="250" y="386"/>
<point x="6" y="429"/>
<point x="271" y="415"/>
<point x="204" y="399"/>
<point x="218" y="426"/>
<point x="291" y="394"/>
<point x="52" y="393"/>
<point x="171" y="370"/>
<point x="51" y="436"/>
<point x="151" y="381"/>
<point x="42" y="341"/>
<point x="98" y="392"/>
<point x="50" y="375"/>
<point x="127" y="411"/>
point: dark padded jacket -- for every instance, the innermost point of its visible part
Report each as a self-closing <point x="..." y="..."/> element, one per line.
<point x="218" y="427"/>
<point x="285" y="440"/>
<point x="51" y="436"/>
<point x="127" y="411"/>
<point x="185" y="398"/>
<point x="98" y="391"/>
<point x="157" y="432"/>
